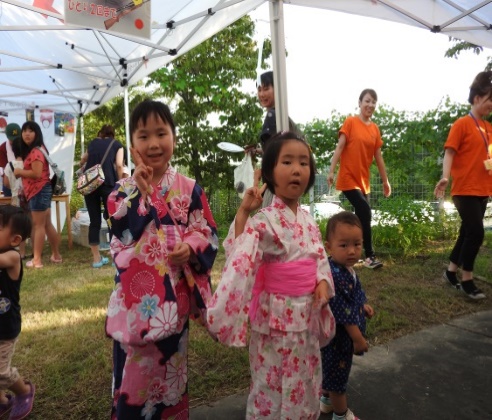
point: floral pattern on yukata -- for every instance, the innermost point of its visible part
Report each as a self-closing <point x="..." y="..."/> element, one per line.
<point x="284" y="347"/>
<point x="151" y="380"/>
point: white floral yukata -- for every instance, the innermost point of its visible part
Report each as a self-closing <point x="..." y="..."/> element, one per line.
<point x="286" y="330"/>
<point x="151" y="379"/>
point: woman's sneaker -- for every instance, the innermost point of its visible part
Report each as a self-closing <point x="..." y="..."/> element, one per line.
<point x="325" y="405"/>
<point x="373" y="263"/>
<point x="451" y="279"/>
<point x="472" y="291"/>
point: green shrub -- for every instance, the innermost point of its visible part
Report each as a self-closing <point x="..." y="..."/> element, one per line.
<point x="405" y="226"/>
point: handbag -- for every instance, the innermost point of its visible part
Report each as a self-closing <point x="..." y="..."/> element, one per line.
<point x="58" y="184"/>
<point x="92" y="178"/>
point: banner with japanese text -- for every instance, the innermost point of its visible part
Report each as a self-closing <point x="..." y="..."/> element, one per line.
<point x="128" y="17"/>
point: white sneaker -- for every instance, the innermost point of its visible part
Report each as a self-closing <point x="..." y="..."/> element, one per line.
<point x="325" y="405"/>
<point x="348" y="416"/>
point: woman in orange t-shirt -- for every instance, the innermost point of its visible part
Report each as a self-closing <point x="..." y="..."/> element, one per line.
<point x="359" y="143"/>
<point x="468" y="160"/>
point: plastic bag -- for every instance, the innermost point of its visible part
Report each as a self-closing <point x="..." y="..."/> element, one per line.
<point x="244" y="175"/>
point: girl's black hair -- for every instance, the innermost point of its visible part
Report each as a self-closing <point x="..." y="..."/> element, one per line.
<point x="17" y="219"/>
<point x="38" y="138"/>
<point x="371" y="92"/>
<point x="481" y="86"/>
<point x="272" y="153"/>
<point x="344" y="217"/>
<point x="147" y="108"/>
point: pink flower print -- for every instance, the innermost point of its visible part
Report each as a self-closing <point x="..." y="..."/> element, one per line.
<point x="233" y="303"/>
<point x="180" y="207"/>
<point x="197" y="223"/>
<point x="152" y="251"/>
<point x="243" y="264"/>
<point x="297" y="394"/>
<point x="177" y="372"/>
<point x="273" y="379"/>
<point x="277" y="241"/>
<point x="142" y="207"/>
<point x="156" y="390"/>
<point x="288" y="316"/>
<point x="298" y="232"/>
<point x="224" y="333"/>
<point x="263" y="404"/>
<point x="172" y="396"/>
<point x="163" y="324"/>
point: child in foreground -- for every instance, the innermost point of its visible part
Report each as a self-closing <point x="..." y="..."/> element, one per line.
<point x="344" y="244"/>
<point x="277" y="275"/>
<point x="164" y="244"/>
<point x="15" y="227"/>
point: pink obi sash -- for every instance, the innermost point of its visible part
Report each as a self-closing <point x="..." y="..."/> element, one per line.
<point x="295" y="278"/>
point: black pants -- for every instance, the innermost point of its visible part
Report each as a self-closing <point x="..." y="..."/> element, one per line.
<point x="471" y="210"/>
<point x="93" y="203"/>
<point x="362" y="209"/>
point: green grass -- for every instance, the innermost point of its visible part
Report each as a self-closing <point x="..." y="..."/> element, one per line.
<point x="64" y="351"/>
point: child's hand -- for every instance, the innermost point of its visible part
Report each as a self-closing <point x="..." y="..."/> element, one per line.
<point x="143" y="174"/>
<point x="181" y="254"/>
<point x="252" y="199"/>
<point x="321" y="293"/>
<point x="360" y="345"/>
<point x="368" y="311"/>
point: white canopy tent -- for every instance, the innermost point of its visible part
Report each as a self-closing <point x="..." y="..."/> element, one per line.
<point x="46" y="64"/>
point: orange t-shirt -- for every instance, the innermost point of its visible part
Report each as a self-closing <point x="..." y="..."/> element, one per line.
<point x="362" y="141"/>
<point x="468" y="173"/>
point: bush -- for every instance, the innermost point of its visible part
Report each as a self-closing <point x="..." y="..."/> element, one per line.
<point x="405" y="226"/>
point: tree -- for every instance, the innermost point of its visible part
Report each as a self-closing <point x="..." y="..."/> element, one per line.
<point x="205" y="86"/>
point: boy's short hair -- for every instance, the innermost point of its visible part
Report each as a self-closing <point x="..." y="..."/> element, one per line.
<point x="147" y="108"/>
<point x="266" y="79"/>
<point x="16" y="219"/>
<point x="272" y="153"/>
<point x="344" y="217"/>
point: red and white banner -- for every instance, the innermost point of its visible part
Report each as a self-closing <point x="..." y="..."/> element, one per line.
<point x="129" y="17"/>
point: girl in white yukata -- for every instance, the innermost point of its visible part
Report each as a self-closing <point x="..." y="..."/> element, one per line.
<point x="277" y="275"/>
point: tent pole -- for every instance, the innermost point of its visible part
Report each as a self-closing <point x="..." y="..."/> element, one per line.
<point x="279" y="66"/>
<point x="127" y="129"/>
<point x="82" y="137"/>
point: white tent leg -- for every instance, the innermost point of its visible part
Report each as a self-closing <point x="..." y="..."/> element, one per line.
<point x="82" y="137"/>
<point x="127" y="129"/>
<point x="279" y="66"/>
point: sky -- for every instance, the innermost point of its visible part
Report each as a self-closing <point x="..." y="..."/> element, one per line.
<point x="333" y="56"/>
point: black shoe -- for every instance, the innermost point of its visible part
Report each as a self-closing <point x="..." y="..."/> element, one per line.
<point x="452" y="280"/>
<point x="472" y="291"/>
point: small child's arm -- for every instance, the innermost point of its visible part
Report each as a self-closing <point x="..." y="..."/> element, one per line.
<point x="360" y="343"/>
<point x="322" y="293"/>
<point x="368" y="311"/>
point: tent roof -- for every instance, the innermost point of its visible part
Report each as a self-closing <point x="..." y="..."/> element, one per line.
<point x="47" y="64"/>
<point x="469" y="20"/>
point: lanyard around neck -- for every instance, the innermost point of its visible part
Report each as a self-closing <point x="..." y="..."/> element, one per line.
<point x="485" y="140"/>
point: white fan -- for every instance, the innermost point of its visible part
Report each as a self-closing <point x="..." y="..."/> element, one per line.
<point x="230" y="147"/>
